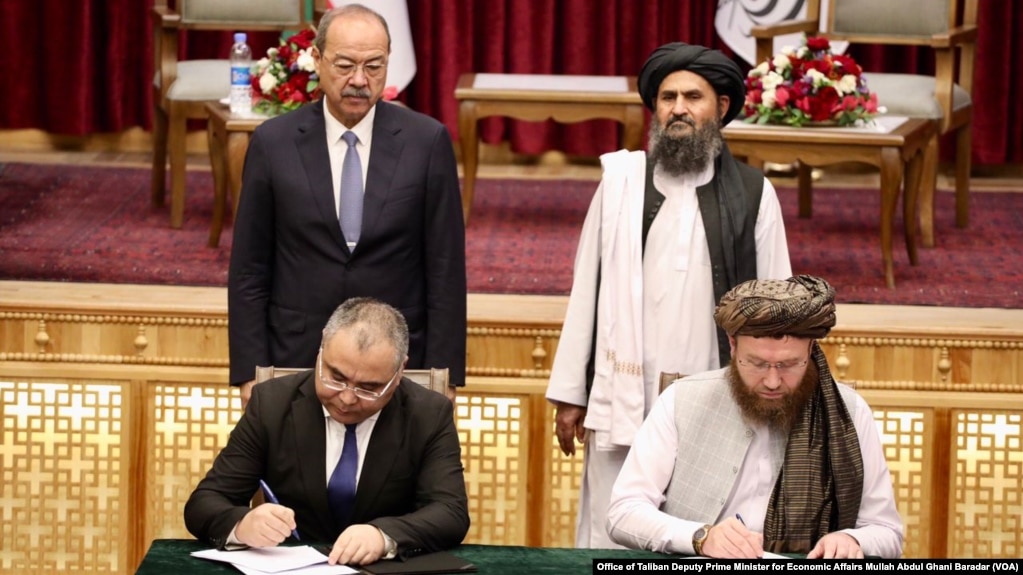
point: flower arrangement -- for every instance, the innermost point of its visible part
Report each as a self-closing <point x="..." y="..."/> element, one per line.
<point x="286" y="78"/>
<point x="809" y="84"/>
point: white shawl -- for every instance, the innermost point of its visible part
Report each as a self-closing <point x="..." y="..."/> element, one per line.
<point x="611" y="245"/>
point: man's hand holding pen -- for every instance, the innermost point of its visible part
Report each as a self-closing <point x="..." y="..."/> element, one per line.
<point x="731" y="539"/>
<point x="268" y="524"/>
<point x="265" y="526"/>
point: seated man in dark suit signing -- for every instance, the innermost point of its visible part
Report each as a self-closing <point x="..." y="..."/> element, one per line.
<point x="355" y="454"/>
<point x="769" y="453"/>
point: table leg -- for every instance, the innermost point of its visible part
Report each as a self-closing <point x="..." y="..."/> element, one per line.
<point x="177" y="151"/>
<point x="217" y="161"/>
<point x="237" y="145"/>
<point x="928" y="182"/>
<point x="804" y="175"/>
<point x="467" y="136"/>
<point x="632" y="130"/>
<point x="963" y="138"/>
<point x="891" y="180"/>
<point x="912" y="185"/>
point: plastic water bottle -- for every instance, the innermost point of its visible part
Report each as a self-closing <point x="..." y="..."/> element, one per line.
<point x="241" y="87"/>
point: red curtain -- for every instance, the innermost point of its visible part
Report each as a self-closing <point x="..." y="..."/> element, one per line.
<point x="86" y="67"/>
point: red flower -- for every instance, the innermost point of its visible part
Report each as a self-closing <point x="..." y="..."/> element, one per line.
<point x="871" y="103"/>
<point x="303" y="39"/>
<point x="781" y="96"/>
<point x="847" y="65"/>
<point x="821" y="107"/>
<point x="818" y="43"/>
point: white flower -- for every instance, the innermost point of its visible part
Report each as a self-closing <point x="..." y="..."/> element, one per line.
<point x="305" y="60"/>
<point x="772" y="80"/>
<point x="768" y="98"/>
<point x="781" y="62"/>
<point x="817" y="78"/>
<point x="272" y="52"/>
<point x="802" y="52"/>
<point x="267" y="82"/>
<point x="788" y="50"/>
<point x="847" y="85"/>
<point x="760" y="70"/>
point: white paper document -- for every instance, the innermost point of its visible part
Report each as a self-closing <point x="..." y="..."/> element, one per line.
<point x="280" y="560"/>
<point x="318" y="569"/>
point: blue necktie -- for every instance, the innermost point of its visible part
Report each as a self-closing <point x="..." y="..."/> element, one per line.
<point x="341" y="488"/>
<point x="351" y="192"/>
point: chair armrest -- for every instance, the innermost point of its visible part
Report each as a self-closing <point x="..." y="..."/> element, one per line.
<point x="165" y="46"/>
<point x="955" y="37"/>
<point x="164" y="17"/>
<point x="765" y="34"/>
<point x="785" y="27"/>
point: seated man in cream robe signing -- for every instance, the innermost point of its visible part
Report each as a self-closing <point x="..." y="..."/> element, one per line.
<point x="667" y="234"/>
<point x="355" y="455"/>
<point x="767" y="454"/>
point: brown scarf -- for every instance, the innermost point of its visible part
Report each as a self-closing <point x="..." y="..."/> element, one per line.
<point x="821" y="480"/>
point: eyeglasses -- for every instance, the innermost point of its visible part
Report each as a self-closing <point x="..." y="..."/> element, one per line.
<point x="341" y="385"/>
<point x="372" y="69"/>
<point x="784" y="367"/>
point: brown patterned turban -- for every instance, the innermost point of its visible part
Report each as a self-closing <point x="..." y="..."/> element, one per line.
<point x="801" y="306"/>
<point x="719" y="70"/>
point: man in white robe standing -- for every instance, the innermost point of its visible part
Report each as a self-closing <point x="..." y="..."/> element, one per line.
<point x="663" y="240"/>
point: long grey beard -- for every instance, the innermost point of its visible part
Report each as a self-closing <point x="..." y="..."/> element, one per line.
<point x="687" y="153"/>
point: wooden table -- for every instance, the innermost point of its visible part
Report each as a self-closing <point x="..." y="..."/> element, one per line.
<point x="228" y="136"/>
<point x="896" y="146"/>
<point x="563" y="98"/>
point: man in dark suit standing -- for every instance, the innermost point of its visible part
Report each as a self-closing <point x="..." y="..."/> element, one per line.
<point x="404" y="489"/>
<point x="307" y="237"/>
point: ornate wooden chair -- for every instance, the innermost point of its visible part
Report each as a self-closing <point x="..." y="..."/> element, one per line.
<point x="948" y="27"/>
<point x="668" y="378"/>
<point x="181" y="89"/>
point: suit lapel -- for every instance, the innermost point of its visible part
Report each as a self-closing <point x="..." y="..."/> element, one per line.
<point x="311" y="443"/>
<point x="383" y="164"/>
<point x="311" y="142"/>
<point x="381" y="453"/>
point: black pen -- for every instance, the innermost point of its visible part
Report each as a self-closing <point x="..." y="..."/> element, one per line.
<point x="273" y="499"/>
<point x="739" y="517"/>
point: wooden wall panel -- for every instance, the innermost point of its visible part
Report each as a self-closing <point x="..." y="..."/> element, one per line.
<point x="124" y="393"/>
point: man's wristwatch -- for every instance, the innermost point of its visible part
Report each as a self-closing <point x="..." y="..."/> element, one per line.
<point x="699" y="538"/>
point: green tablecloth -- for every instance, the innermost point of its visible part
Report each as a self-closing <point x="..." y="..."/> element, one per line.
<point x="171" y="557"/>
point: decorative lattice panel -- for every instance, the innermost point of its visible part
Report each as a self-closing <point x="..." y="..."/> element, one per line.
<point x="906" y="447"/>
<point x="61" y="449"/>
<point x="191" y="423"/>
<point x="490" y="430"/>
<point x="988" y="485"/>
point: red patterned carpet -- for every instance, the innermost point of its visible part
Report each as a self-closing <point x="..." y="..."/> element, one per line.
<point x="90" y="224"/>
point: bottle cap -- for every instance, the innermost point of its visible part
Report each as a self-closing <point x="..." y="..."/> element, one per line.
<point x="240" y="37"/>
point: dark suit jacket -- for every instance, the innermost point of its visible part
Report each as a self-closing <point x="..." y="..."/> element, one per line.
<point x="290" y="267"/>
<point x="412" y="484"/>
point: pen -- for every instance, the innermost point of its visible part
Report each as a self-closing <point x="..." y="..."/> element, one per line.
<point x="273" y="499"/>
<point x="739" y="517"/>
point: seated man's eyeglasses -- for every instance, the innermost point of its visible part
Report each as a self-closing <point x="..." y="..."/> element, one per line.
<point x="372" y="69"/>
<point x="359" y="389"/>
<point x="783" y="367"/>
